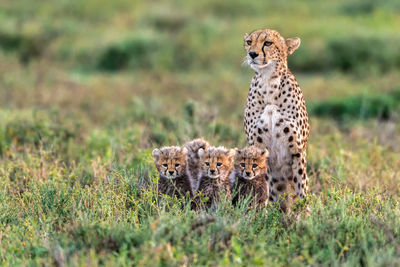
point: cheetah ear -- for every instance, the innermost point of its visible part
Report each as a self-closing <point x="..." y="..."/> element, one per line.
<point x="156" y="154"/>
<point x="292" y="44"/>
<point x="245" y="36"/>
<point x="200" y="152"/>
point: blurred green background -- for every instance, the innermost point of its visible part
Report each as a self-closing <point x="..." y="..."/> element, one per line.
<point x="107" y="64"/>
<point x="137" y="74"/>
<point x="89" y="88"/>
<point x="96" y="58"/>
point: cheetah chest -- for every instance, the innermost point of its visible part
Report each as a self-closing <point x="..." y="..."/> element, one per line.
<point x="264" y="127"/>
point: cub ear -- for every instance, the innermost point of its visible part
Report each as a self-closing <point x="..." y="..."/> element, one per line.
<point x="265" y="153"/>
<point x="156" y="154"/>
<point x="231" y="153"/>
<point x="184" y="150"/>
<point x="236" y="151"/>
<point x="245" y="36"/>
<point x="292" y="44"/>
<point x="200" y="152"/>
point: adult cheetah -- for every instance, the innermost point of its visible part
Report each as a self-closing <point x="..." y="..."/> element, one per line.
<point x="275" y="116"/>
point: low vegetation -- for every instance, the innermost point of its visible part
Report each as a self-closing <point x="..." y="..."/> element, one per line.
<point x="382" y="106"/>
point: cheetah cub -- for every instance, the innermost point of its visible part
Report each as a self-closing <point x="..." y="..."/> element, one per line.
<point x="250" y="176"/>
<point x="171" y="165"/>
<point x="216" y="167"/>
<point x="193" y="162"/>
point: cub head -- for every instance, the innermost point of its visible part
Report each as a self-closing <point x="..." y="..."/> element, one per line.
<point x="170" y="161"/>
<point x="250" y="162"/>
<point x="196" y="144"/>
<point x="216" y="161"/>
<point x="266" y="47"/>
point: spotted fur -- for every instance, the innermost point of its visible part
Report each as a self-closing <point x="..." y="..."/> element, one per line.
<point x="171" y="165"/>
<point x="250" y="176"/>
<point x="193" y="166"/>
<point x="216" y="167"/>
<point x="275" y="116"/>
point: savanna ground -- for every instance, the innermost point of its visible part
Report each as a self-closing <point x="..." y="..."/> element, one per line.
<point x="89" y="88"/>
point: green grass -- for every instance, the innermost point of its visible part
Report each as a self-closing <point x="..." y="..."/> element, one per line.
<point x="88" y="89"/>
<point x="62" y="215"/>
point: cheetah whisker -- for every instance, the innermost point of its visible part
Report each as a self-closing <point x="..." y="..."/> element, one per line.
<point x="245" y="62"/>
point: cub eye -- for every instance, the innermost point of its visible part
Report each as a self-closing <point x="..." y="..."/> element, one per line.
<point x="207" y="163"/>
<point x="177" y="164"/>
<point x="219" y="164"/>
<point x="268" y="43"/>
<point x="242" y="165"/>
<point x="255" y="165"/>
<point x="165" y="165"/>
<point x="248" y="42"/>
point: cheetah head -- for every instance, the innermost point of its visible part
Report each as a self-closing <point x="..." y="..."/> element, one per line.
<point x="170" y="161"/>
<point x="267" y="47"/>
<point x="216" y="161"/>
<point x="250" y="162"/>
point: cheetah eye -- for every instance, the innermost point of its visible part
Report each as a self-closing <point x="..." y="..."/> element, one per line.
<point x="242" y="165"/>
<point x="248" y="42"/>
<point x="177" y="164"/>
<point x="219" y="164"/>
<point x="255" y="166"/>
<point x="268" y="43"/>
<point x="207" y="163"/>
<point x="165" y="165"/>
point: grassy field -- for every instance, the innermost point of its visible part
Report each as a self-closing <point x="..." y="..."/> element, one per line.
<point x="89" y="88"/>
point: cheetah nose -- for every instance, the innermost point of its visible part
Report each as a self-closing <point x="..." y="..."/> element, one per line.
<point x="212" y="171"/>
<point x="248" y="173"/>
<point x="253" y="55"/>
<point x="171" y="172"/>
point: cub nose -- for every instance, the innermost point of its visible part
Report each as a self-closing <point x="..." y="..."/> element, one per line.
<point x="248" y="173"/>
<point x="171" y="172"/>
<point x="253" y="55"/>
<point x="212" y="171"/>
